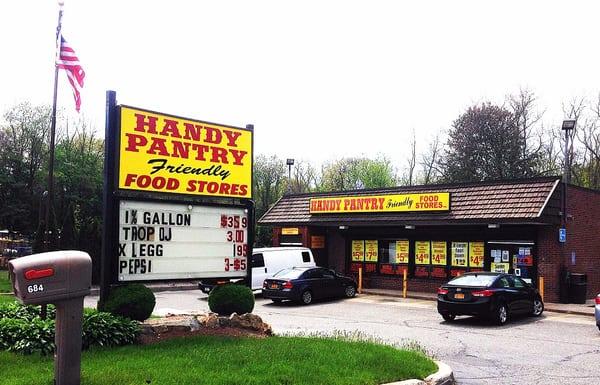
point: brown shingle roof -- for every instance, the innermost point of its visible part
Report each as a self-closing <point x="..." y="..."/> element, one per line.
<point x="514" y="201"/>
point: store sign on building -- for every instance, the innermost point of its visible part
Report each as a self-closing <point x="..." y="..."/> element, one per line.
<point x="178" y="241"/>
<point x="381" y="203"/>
<point x="167" y="154"/>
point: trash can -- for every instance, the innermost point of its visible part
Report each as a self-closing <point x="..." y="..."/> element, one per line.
<point x="578" y="288"/>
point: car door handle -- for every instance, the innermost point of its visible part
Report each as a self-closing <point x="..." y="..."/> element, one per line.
<point x="265" y="269"/>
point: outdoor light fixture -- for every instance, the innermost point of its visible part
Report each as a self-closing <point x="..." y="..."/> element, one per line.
<point x="493" y="226"/>
<point x="409" y="227"/>
<point x="290" y="163"/>
<point x="568" y="124"/>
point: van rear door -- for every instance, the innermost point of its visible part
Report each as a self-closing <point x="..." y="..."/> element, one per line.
<point x="259" y="271"/>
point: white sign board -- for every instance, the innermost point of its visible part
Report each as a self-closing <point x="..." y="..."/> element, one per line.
<point x="159" y="241"/>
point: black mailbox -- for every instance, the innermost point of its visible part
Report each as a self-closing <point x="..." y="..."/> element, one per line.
<point x="51" y="277"/>
<point x="62" y="278"/>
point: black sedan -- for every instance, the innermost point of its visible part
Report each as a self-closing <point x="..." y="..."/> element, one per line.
<point x="492" y="295"/>
<point x="304" y="284"/>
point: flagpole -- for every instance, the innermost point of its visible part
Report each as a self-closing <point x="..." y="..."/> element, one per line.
<point x="50" y="197"/>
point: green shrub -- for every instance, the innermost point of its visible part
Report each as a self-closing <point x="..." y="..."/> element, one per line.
<point x="22" y="330"/>
<point x="134" y="301"/>
<point x="27" y="312"/>
<point x="231" y="298"/>
<point x="27" y="336"/>
<point x="105" y="329"/>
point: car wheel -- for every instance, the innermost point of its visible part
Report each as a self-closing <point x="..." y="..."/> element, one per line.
<point x="448" y="317"/>
<point x="276" y="300"/>
<point x="350" y="291"/>
<point x="306" y="297"/>
<point x="501" y="314"/>
<point x="538" y="307"/>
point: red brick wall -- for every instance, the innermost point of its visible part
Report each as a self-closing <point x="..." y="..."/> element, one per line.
<point x="583" y="236"/>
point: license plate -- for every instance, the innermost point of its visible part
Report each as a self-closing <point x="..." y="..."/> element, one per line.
<point x="273" y="286"/>
<point x="459" y="296"/>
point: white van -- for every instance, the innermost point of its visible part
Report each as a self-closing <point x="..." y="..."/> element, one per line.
<point x="267" y="261"/>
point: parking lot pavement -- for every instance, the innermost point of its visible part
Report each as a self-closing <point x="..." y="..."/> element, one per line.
<point x="553" y="349"/>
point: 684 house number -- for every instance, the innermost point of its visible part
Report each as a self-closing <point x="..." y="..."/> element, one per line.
<point x="35" y="288"/>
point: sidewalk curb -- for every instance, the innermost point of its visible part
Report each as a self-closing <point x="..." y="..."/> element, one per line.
<point x="426" y="298"/>
<point x="443" y="376"/>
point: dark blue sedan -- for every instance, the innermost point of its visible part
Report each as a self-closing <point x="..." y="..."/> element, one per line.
<point x="304" y="284"/>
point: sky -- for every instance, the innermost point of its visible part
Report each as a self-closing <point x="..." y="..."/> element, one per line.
<point x="320" y="79"/>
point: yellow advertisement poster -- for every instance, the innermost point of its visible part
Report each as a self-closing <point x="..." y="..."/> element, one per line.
<point x="402" y="250"/>
<point x="476" y="253"/>
<point x="371" y="251"/>
<point x="439" y="201"/>
<point x="500" y="267"/>
<point x="459" y="254"/>
<point x="438" y="253"/>
<point x="169" y="154"/>
<point x="422" y="253"/>
<point x="358" y="251"/>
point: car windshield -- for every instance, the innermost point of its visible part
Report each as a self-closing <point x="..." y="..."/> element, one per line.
<point x="288" y="274"/>
<point x="473" y="280"/>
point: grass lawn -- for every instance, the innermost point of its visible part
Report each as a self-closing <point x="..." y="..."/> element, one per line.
<point x="230" y="361"/>
<point x="5" y="286"/>
<point x="7" y="298"/>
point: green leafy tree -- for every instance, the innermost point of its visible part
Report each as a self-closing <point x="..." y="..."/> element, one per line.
<point x="269" y="185"/>
<point x="24" y="151"/>
<point x="357" y="173"/>
<point x="486" y="143"/>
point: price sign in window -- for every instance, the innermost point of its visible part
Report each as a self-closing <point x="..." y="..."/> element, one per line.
<point x="476" y="253"/>
<point x="459" y="254"/>
<point x="358" y="251"/>
<point x="371" y="250"/>
<point x="438" y="253"/>
<point x="402" y="249"/>
<point x="422" y="253"/>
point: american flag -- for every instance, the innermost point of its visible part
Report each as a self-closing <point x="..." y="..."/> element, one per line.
<point x="68" y="61"/>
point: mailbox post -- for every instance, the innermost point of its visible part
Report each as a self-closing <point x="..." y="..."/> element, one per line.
<point x="62" y="278"/>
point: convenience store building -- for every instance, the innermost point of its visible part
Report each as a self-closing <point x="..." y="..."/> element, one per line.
<point x="436" y="232"/>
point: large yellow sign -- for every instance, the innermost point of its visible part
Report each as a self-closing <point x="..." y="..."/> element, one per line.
<point x="169" y="154"/>
<point x="381" y="203"/>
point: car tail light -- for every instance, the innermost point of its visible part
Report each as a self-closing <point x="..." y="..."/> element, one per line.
<point x="598" y="300"/>
<point x="288" y="285"/>
<point x="483" y="293"/>
<point x="442" y="291"/>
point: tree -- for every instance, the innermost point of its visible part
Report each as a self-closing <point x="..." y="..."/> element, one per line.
<point x="357" y="173"/>
<point x="270" y="176"/>
<point x="486" y="143"/>
<point x="305" y="178"/>
<point x="24" y="150"/>
<point x="430" y="162"/>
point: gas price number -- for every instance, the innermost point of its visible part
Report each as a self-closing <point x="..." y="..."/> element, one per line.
<point x="236" y="227"/>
